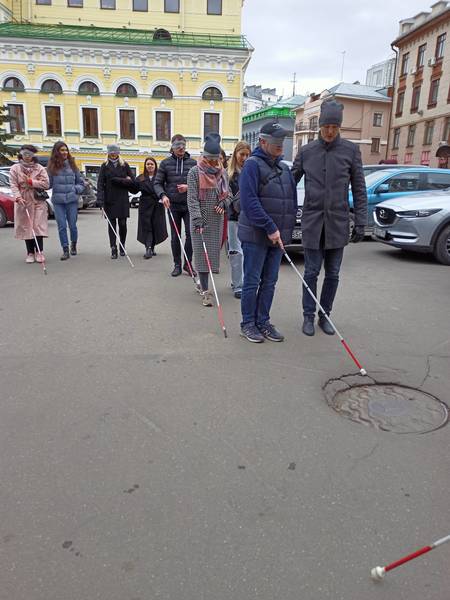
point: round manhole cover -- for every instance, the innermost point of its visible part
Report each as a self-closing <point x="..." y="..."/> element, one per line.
<point x="388" y="407"/>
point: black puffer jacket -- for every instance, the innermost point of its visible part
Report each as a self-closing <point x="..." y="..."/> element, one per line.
<point x="173" y="171"/>
<point x="234" y="198"/>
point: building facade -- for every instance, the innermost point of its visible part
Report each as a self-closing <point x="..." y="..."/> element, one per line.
<point x="256" y="97"/>
<point x="282" y="112"/>
<point x="366" y="118"/>
<point x="421" y="105"/>
<point x="133" y="72"/>
<point x="382" y="74"/>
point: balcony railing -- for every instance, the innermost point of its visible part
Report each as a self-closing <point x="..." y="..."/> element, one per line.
<point x="306" y="127"/>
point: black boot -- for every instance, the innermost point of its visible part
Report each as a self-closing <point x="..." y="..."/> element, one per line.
<point x="73" y="248"/>
<point x="122" y="250"/>
<point x="153" y="251"/>
<point x="65" y="255"/>
<point x="308" y="325"/>
<point x="148" y="252"/>
<point x="325" y="325"/>
<point x="113" y="251"/>
<point x="176" y="271"/>
<point x="186" y="270"/>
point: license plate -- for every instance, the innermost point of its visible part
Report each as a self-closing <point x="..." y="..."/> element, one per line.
<point x="381" y="233"/>
<point x="297" y="234"/>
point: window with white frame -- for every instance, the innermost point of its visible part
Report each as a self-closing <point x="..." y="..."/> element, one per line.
<point x="90" y="122"/>
<point x="163" y="125"/>
<point x="214" y="7"/>
<point x="127" y="124"/>
<point x="53" y="124"/>
<point x="211" y="123"/>
<point x="17" y="118"/>
<point x="377" y="119"/>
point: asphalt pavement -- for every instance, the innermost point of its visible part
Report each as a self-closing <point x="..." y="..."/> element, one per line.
<point x="143" y="456"/>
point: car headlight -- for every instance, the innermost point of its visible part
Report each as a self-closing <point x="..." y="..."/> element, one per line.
<point x="426" y="212"/>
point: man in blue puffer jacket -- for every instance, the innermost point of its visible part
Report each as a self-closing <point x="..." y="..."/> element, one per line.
<point x="266" y="222"/>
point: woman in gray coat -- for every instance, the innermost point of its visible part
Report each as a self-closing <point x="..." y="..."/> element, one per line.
<point x="67" y="184"/>
<point x="206" y="197"/>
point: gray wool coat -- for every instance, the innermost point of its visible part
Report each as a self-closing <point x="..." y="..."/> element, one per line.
<point x="202" y="213"/>
<point x="328" y="169"/>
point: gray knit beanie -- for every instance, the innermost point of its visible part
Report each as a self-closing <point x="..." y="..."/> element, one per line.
<point x="331" y="113"/>
<point x="113" y="149"/>
<point x="212" y="148"/>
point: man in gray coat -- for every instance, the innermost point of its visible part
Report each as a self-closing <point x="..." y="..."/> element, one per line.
<point x="329" y="165"/>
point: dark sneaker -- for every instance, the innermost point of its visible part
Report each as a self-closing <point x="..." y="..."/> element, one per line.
<point x="252" y="333"/>
<point x="113" y="251"/>
<point x="65" y="255"/>
<point x="325" y="326"/>
<point x="73" y="248"/>
<point x="238" y="295"/>
<point x="176" y="271"/>
<point x="308" y="325"/>
<point x="271" y="333"/>
<point x="122" y="251"/>
<point x="148" y="253"/>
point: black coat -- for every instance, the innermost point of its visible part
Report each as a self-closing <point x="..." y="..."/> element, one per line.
<point x="171" y="172"/>
<point x="329" y="168"/>
<point x="112" y="189"/>
<point x="151" y="214"/>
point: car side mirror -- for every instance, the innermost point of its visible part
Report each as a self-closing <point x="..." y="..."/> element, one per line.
<point x="383" y="188"/>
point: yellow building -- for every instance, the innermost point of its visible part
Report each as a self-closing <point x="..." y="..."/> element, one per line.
<point x="134" y="72"/>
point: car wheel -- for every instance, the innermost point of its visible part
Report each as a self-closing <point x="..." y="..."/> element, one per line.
<point x="3" y="219"/>
<point x="441" y="249"/>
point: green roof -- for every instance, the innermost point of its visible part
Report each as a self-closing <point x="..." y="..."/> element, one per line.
<point x="270" y="111"/>
<point x="110" y="35"/>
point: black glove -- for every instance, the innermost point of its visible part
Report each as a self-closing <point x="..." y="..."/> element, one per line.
<point x="198" y="224"/>
<point x="357" y="235"/>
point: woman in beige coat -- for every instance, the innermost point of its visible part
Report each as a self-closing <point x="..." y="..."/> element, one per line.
<point x="27" y="176"/>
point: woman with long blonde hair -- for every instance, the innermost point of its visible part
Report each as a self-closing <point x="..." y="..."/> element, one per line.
<point x="240" y="154"/>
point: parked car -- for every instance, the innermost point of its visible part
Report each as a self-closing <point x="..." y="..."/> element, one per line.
<point x="419" y="223"/>
<point x="393" y="183"/>
<point x="134" y="199"/>
<point x="373" y="168"/>
<point x="6" y="209"/>
<point x="5" y="187"/>
<point x="89" y="196"/>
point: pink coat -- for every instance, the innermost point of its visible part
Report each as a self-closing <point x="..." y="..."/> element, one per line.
<point x="37" y="208"/>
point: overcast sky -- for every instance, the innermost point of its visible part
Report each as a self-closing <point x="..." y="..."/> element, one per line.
<point x="308" y="37"/>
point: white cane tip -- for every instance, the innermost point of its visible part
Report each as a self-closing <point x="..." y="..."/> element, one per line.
<point x="363" y="372"/>
<point x="378" y="573"/>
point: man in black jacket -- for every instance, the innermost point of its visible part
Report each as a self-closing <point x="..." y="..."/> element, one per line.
<point x="329" y="165"/>
<point x="171" y="187"/>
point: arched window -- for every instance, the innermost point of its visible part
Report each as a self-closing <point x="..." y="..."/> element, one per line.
<point x="51" y="86"/>
<point x="162" y="91"/>
<point x="212" y="93"/>
<point x="89" y="87"/>
<point x="126" y="89"/>
<point x="12" y="83"/>
<point x="162" y="34"/>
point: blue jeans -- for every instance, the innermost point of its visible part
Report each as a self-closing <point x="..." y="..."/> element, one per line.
<point x="261" y="266"/>
<point x="67" y="213"/>
<point x="235" y="256"/>
<point x="332" y="260"/>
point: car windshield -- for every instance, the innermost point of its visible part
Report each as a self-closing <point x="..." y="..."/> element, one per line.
<point x="375" y="177"/>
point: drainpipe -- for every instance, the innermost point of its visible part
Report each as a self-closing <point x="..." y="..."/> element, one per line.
<point x="182" y="16"/>
<point x="393" y="95"/>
